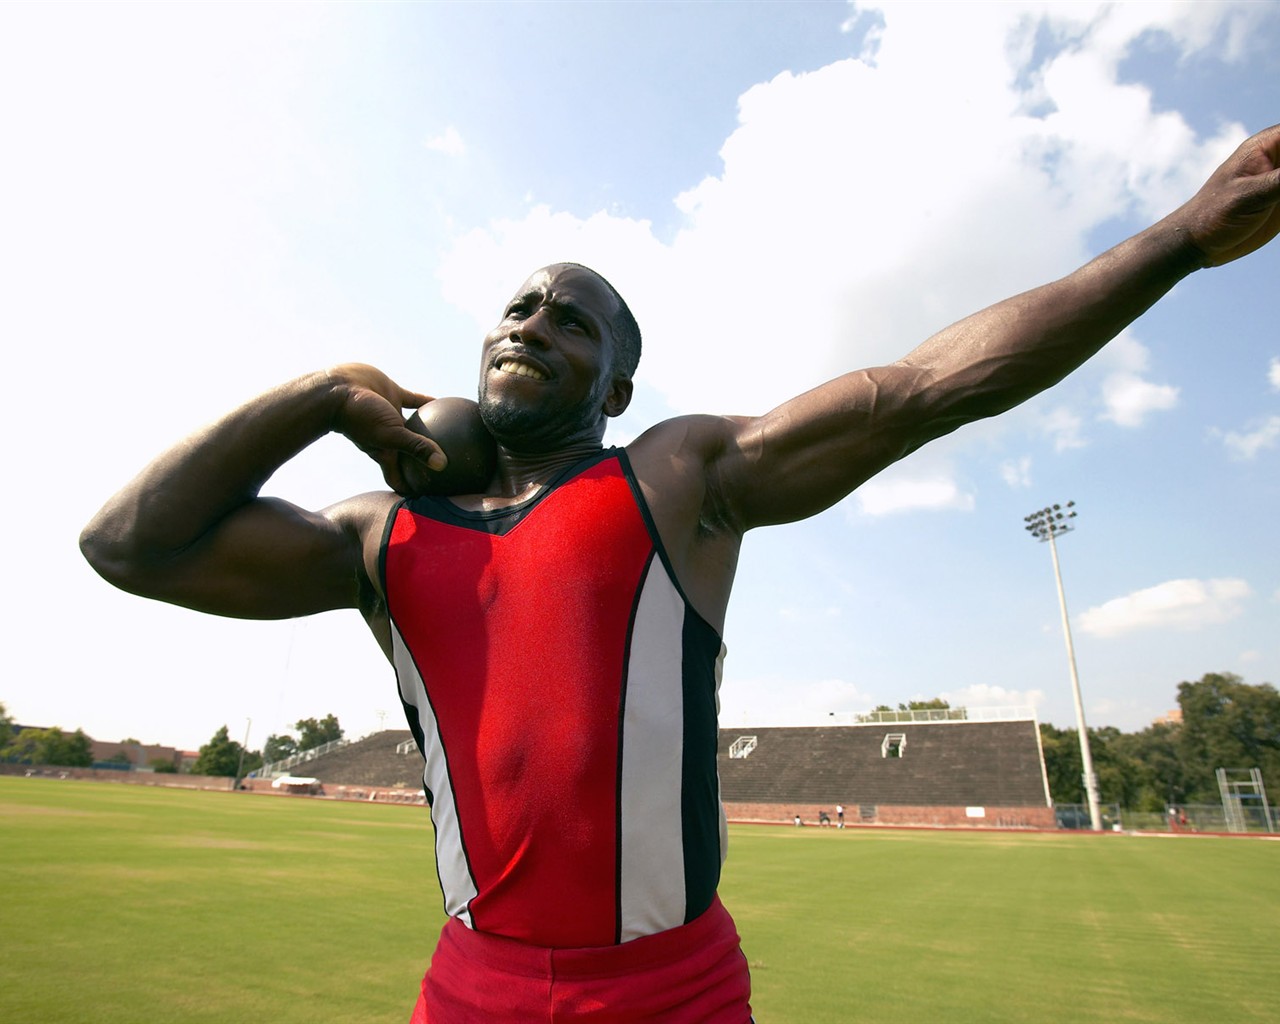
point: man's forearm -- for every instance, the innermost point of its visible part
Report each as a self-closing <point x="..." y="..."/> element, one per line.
<point x="1003" y="355"/>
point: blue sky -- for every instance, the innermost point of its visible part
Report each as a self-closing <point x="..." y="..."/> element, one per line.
<point x="202" y="201"/>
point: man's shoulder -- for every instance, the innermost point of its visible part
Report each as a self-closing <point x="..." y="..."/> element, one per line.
<point x="679" y="464"/>
<point x="363" y="514"/>
<point x="697" y="436"/>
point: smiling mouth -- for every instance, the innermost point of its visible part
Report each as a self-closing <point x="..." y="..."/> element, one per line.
<point x="520" y="369"/>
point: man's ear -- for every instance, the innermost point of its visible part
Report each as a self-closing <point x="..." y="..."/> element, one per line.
<point x="618" y="397"/>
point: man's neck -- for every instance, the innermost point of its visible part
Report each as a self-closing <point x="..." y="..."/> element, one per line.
<point x="520" y="475"/>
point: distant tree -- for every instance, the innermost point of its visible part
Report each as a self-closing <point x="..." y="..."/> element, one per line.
<point x="119" y="757"/>
<point x="52" y="747"/>
<point x="6" y="728"/>
<point x="24" y="746"/>
<point x="1120" y="778"/>
<point x="136" y="743"/>
<point x="1227" y="723"/>
<point x="252" y="762"/>
<point x="75" y="750"/>
<point x="162" y="765"/>
<point x="1062" y="764"/>
<point x="220" y="756"/>
<point x="312" y="733"/>
<point x="935" y="704"/>
<point x="1154" y="761"/>
<point x="277" y="748"/>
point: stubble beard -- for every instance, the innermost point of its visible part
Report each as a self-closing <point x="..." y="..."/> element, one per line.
<point x="529" y="428"/>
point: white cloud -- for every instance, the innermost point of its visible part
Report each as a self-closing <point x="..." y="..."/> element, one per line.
<point x="1176" y="604"/>
<point x="898" y="493"/>
<point x="827" y="240"/>
<point x="757" y="702"/>
<point x="984" y="695"/>
<point x="1064" y="427"/>
<point x="1273" y="374"/>
<point x="1128" y="399"/>
<point x="1016" y="472"/>
<point x="1243" y="447"/>
<point x="449" y="142"/>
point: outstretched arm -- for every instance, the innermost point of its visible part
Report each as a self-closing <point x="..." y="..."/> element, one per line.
<point x="813" y="450"/>
<point x="191" y="528"/>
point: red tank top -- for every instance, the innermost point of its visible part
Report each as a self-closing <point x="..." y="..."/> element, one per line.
<point x="563" y="694"/>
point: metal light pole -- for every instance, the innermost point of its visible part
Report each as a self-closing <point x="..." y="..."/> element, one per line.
<point x="1044" y="525"/>
<point x="248" y="724"/>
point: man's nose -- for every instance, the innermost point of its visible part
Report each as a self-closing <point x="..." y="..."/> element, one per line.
<point x="533" y="330"/>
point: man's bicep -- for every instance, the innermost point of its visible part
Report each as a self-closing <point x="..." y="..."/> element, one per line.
<point x="267" y="560"/>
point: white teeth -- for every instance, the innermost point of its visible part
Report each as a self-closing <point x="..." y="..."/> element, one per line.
<point x="521" y="370"/>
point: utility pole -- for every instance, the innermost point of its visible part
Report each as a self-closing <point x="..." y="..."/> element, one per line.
<point x="248" y="723"/>
<point x="1046" y="524"/>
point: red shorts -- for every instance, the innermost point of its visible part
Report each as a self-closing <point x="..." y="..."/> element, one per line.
<point x="695" y="974"/>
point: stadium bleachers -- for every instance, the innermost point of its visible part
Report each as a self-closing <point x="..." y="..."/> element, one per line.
<point x="930" y="772"/>
<point x="372" y="761"/>
<point x="960" y="764"/>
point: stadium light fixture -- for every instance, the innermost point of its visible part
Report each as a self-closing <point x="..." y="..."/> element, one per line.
<point x="1044" y="525"/>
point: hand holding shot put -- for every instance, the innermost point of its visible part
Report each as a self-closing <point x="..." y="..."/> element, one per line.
<point x="554" y="613"/>
<point x="457" y="428"/>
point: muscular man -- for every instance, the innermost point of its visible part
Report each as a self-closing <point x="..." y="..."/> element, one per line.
<point x="556" y="637"/>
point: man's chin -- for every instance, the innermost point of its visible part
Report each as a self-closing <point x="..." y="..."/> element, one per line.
<point x="505" y="419"/>
<point x="520" y="428"/>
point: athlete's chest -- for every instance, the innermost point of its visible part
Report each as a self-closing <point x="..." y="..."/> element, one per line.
<point x="575" y="543"/>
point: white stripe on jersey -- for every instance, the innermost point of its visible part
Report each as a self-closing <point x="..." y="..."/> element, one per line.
<point x="451" y="862"/>
<point x="652" y="882"/>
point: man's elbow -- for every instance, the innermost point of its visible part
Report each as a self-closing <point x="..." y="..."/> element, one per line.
<point x="108" y="550"/>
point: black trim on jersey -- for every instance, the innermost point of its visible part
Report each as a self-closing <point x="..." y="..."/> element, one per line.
<point x="629" y="475"/>
<point x="622" y="721"/>
<point x="501" y="521"/>
<point x="384" y="545"/>
<point x="415" y="726"/>
<point x="699" y="783"/>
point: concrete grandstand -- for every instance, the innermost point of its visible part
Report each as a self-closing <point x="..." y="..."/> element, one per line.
<point x="900" y="768"/>
<point x="908" y="768"/>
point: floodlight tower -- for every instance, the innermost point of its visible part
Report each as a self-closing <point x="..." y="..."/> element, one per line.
<point x="248" y="724"/>
<point x="1044" y="525"/>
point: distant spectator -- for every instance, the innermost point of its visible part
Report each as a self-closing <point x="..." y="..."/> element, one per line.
<point x="839" y="815"/>
<point x="798" y="821"/>
<point x="824" y="818"/>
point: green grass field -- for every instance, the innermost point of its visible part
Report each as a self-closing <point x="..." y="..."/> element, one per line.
<point x="137" y="904"/>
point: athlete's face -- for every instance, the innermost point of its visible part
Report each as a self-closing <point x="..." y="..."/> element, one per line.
<point x="546" y="375"/>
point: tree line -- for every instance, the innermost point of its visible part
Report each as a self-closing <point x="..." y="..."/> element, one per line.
<point x="225" y="757"/>
<point x="221" y="756"/>
<point x="1226" y="723"/>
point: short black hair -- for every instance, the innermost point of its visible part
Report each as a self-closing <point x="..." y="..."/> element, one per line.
<point x="626" y="332"/>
